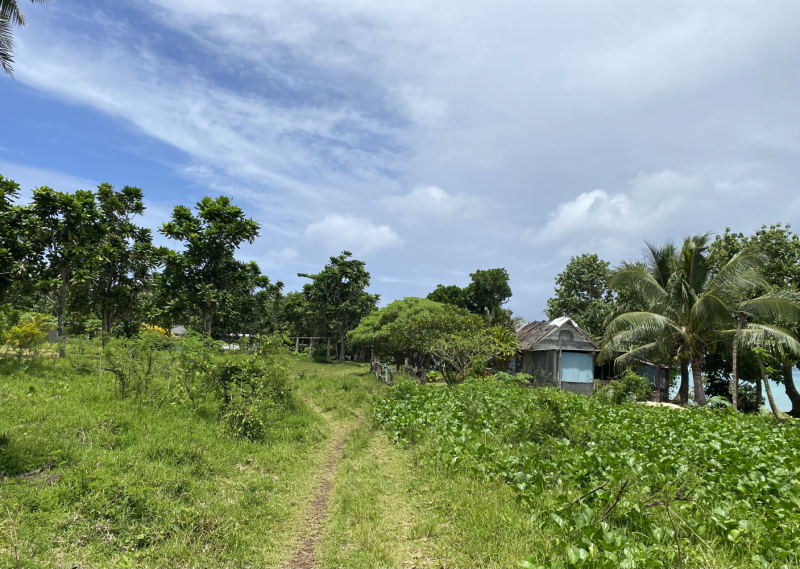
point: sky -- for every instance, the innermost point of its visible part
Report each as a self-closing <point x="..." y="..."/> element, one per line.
<point x="429" y="138"/>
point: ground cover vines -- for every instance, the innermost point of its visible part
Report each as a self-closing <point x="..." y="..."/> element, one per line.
<point x="617" y="485"/>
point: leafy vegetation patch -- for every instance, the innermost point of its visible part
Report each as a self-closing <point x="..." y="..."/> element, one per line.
<point x="617" y="485"/>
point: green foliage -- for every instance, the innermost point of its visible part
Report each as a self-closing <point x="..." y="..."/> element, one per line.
<point x="583" y="293"/>
<point x="487" y="291"/>
<point x="434" y="376"/>
<point x="616" y="485"/>
<point x="412" y="325"/>
<point x="337" y="295"/>
<point x="450" y="294"/>
<point x="27" y="334"/>
<point x="203" y="279"/>
<point x="627" y="387"/>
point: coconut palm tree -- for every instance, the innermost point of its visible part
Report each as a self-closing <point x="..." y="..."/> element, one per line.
<point x="769" y="309"/>
<point x="10" y="15"/>
<point x="689" y="308"/>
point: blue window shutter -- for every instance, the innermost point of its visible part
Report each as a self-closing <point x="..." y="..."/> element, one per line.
<point x="577" y="367"/>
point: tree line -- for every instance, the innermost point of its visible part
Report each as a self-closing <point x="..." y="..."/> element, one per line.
<point x="82" y="259"/>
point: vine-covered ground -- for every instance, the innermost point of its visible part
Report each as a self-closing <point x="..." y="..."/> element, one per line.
<point x="615" y="485"/>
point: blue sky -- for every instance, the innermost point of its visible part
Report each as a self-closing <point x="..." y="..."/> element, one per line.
<point x="430" y="138"/>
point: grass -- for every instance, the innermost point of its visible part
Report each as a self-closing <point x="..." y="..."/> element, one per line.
<point x="481" y="477"/>
<point x="90" y="479"/>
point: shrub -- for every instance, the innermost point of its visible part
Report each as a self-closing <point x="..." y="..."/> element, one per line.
<point x="28" y="334"/>
<point x="628" y="387"/>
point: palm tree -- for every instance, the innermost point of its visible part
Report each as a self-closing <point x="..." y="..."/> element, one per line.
<point x="770" y="309"/>
<point x="10" y="15"/>
<point x="688" y="306"/>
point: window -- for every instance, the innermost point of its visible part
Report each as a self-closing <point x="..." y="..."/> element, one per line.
<point x="566" y="335"/>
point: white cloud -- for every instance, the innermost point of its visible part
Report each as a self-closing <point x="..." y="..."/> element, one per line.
<point x="431" y="202"/>
<point x="654" y="204"/>
<point x="358" y="235"/>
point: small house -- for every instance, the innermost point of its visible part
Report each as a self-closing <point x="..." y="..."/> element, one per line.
<point x="558" y="353"/>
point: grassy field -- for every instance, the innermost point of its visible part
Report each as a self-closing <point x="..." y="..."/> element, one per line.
<point x="353" y="474"/>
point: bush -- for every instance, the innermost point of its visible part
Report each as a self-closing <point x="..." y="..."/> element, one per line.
<point x="28" y="334"/>
<point x="628" y="387"/>
<point x="249" y="385"/>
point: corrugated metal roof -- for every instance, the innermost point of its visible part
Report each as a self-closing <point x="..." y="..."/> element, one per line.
<point x="534" y="332"/>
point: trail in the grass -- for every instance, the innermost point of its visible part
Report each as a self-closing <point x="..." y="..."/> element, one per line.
<point x="305" y="553"/>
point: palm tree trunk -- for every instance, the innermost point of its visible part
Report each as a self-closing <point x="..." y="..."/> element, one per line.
<point x="791" y="391"/>
<point x="697" y="376"/>
<point x="735" y="382"/>
<point x="759" y="395"/>
<point x="775" y="411"/>
<point x="682" y="398"/>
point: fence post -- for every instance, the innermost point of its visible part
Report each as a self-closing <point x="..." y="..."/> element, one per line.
<point x="329" y="349"/>
<point x="297" y="345"/>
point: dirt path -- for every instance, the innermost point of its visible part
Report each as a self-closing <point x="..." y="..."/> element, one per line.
<point x="304" y="556"/>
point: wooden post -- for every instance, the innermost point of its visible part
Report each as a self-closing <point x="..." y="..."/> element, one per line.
<point x="297" y="345"/>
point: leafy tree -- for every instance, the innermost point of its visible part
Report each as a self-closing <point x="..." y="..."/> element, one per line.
<point x="450" y="294"/>
<point x="412" y="325"/>
<point x="487" y="292"/>
<point x="583" y="293"/>
<point x="61" y="230"/>
<point x="338" y="295"/>
<point x="203" y="279"/>
<point x="10" y="15"/>
<point x="12" y="244"/>
<point x="122" y="260"/>
<point x="689" y="311"/>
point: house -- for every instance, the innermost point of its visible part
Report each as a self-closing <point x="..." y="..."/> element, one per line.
<point x="558" y="353"/>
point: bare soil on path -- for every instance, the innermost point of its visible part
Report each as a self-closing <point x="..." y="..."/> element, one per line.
<point x="305" y="553"/>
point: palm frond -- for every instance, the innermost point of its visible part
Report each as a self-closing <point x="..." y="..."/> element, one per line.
<point x="777" y="340"/>
<point x="740" y="275"/>
<point x="710" y="312"/>
<point x="6" y="46"/>
<point x="638" y="278"/>
<point x="779" y="306"/>
<point x="9" y="9"/>
<point x="660" y="261"/>
<point x="642" y="354"/>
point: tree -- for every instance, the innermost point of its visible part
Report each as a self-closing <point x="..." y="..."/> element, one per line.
<point x="12" y="244"/>
<point x="782" y="272"/>
<point x="203" y="279"/>
<point x="338" y="295"/>
<point x="120" y="266"/>
<point x="61" y="230"/>
<point x="450" y="294"/>
<point x="10" y="15"/>
<point x="487" y="292"/>
<point x="410" y="326"/>
<point x="686" y="312"/>
<point x="584" y="294"/>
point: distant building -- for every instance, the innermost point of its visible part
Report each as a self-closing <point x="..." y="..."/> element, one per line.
<point x="558" y="353"/>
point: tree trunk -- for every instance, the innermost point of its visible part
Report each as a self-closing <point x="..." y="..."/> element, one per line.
<point x="735" y="381"/>
<point x="791" y="391"/>
<point x="697" y="375"/>
<point x="682" y="398"/>
<point x="341" y="339"/>
<point x="759" y="395"/>
<point x="61" y="309"/>
<point x="775" y="411"/>
<point x="207" y="323"/>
